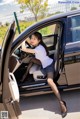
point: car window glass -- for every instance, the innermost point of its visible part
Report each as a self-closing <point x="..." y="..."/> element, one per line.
<point x="49" y="30"/>
<point x="49" y="33"/>
<point x="48" y="40"/>
<point x="75" y="28"/>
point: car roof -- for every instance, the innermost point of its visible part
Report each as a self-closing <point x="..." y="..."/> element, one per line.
<point x="58" y="16"/>
<point x="69" y="13"/>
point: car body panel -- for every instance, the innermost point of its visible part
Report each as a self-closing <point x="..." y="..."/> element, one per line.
<point x="72" y="50"/>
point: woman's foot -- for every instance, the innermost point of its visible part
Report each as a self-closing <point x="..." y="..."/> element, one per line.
<point x="63" y="108"/>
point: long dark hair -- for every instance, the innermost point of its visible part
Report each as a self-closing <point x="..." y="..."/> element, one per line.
<point x="39" y="37"/>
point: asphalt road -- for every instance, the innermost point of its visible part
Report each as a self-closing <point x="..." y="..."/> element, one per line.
<point x="47" y="106"/>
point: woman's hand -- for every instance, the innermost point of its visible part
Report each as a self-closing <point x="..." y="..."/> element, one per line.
<point x="23" y="46"/>
<point x="23" y="49"/>
<point x="28" y="50"/>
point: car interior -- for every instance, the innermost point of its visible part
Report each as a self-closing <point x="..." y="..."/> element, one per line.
<point x="18" y="63"/>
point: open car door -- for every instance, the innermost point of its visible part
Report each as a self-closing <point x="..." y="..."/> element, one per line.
<point x="10" y="94"/>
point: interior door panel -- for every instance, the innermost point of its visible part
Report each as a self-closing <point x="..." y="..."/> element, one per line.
<point x="9" y="104"/>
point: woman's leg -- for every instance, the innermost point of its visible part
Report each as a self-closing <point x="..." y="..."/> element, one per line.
<point x="56" y="91"/>
<point x="26" y="73"/>
<point x="53" y="86"/>
<point x="31" y="62"/>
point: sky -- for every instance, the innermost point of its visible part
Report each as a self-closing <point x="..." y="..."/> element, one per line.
<point x="5" y="1"/>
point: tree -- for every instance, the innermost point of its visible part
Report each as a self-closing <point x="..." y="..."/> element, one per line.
<point x="58" y="12"/>
<point x="37" y="7"/>
<point x="73" y="8"/>
<point x="7" y="24"/>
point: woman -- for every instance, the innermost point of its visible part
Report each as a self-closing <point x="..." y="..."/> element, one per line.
<point x="41" y="54"/>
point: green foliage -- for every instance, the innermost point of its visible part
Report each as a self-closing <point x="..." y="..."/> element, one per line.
<point x="73" y="8"/>
<point x="37" y="7"/>
<point x="45" y="31"/>
<point x="7" y="24"/>
<point x="23" y="26"/>
<point x="58" y="12"/>
<point x="3" y="30"/>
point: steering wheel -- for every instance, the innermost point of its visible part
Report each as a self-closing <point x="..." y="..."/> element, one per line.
<point x="19" y="57"/>
<point x="21" y="54"/>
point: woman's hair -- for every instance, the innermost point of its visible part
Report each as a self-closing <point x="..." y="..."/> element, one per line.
<point x="39" y="37"/>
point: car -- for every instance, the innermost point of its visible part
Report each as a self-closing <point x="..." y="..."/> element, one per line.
<point x="61" y="36"/>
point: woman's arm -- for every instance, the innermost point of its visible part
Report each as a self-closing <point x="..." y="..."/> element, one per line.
<point x="28" y="50"/>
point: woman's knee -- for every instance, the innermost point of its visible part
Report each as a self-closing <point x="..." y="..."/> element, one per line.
<point x="49" y="81"/>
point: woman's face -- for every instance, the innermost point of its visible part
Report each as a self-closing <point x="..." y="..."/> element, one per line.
<point x="34" y="40"/>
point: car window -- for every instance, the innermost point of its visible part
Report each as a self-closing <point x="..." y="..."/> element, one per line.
<point x="49" y="30"/>
<point x="50" y="34"/>
<point x="48" y="40"/>
<point x="75" y="29"/>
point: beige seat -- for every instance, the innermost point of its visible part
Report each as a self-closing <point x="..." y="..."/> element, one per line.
<point x="38" y="75"/>
<point x="34" y="68"/>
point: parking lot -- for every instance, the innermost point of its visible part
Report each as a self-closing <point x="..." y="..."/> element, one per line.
<point x="47" y="107"/>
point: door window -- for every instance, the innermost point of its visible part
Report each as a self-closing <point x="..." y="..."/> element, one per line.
<point x="50" y="34"/>
<point x="73" y="34"/>
<point x="72" y="51"/>
<point x="74" y="28"/>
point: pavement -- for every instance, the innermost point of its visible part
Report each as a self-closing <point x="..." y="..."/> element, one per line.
<point x="47" y="107"/>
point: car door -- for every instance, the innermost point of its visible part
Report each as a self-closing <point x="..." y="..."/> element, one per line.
<point x="72" y="50"/>
<point x="9" y="95"/>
